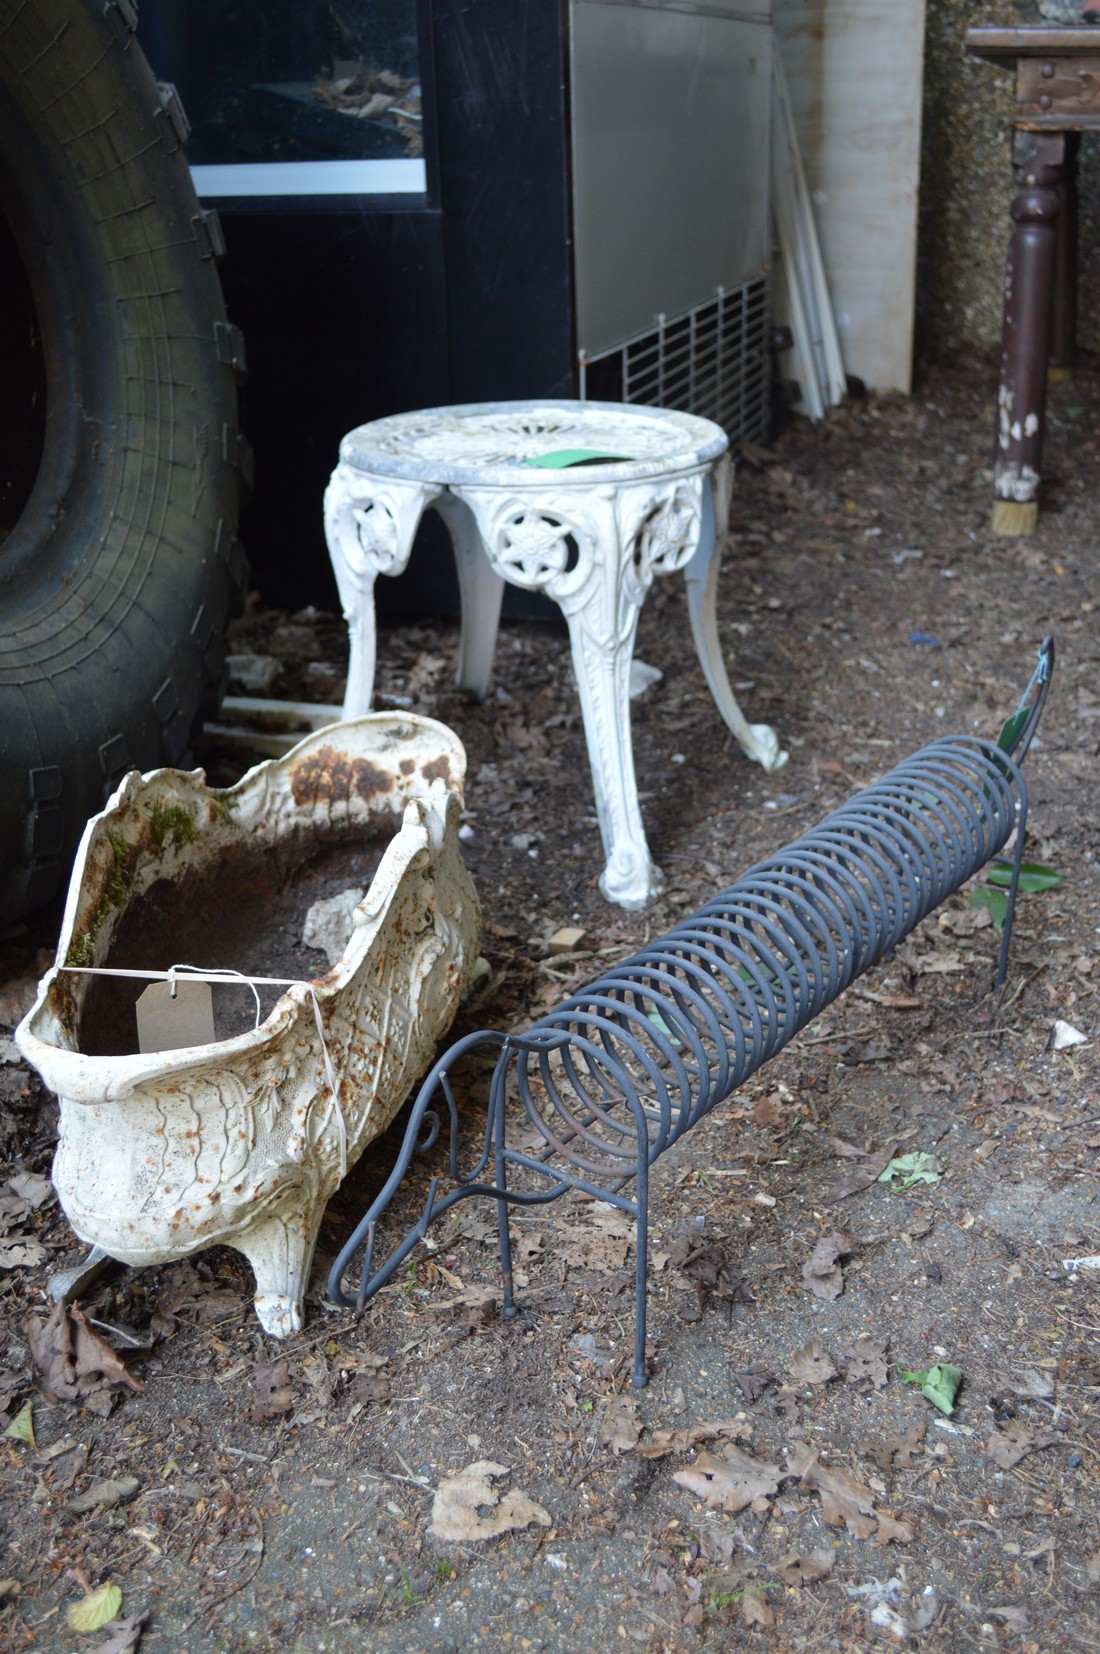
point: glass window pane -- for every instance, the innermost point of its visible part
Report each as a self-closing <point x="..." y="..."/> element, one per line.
<point x="294" y="81"/>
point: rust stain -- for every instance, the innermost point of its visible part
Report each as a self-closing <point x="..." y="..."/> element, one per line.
<point x="369" y="779"/>
<point x="333" y="777"/>
<point x="439" y="769"/>
<point x="325" y="774"/>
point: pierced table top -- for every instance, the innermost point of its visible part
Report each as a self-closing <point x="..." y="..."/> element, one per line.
<point x="487" y="443"/>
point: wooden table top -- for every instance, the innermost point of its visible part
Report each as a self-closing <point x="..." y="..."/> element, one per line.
<point x="1057" y="73"/>
<point x="1005" y="45"/>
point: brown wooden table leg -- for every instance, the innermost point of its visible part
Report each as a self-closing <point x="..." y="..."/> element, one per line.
<point x="1063" y="309"/>
<point x="1038" y="159"/>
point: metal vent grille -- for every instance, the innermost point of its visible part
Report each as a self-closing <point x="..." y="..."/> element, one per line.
<point x="711" y="360"/>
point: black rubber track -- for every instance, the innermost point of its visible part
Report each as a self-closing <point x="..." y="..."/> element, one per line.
<point x="116" y="578"/>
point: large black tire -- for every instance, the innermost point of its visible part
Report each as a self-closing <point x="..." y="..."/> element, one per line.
<point x="116" y="577"/>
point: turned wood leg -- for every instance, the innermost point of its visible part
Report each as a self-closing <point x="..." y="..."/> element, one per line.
<point x="370" y="525"/>
<point x="480" y="590"/>
<point x="757" y="741"/>
<point x="1063" y="310"/>
<point x="1038" y="159"/>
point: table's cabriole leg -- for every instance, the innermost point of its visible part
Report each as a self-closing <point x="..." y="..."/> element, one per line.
<point x="575" y="549"/>
<point x="1038" y="159"/>
<point x="757" y="741"/>
<point x="480" y="589"/>
<point x="601" y="664"/>
<point x="369" y="527"/>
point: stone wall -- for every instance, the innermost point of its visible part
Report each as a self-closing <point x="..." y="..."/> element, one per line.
<point x="966" y="188"/>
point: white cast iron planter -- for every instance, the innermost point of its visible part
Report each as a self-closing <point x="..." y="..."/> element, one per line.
<point x="239" y="1141"/>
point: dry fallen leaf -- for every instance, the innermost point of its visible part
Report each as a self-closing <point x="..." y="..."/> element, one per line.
<point x="587" y="1251"/>
<point x="753" y="1382"/>
<point x="479" y="1305"/>
<point x="677" y="1607"/>
<point x="529" y="1245"/>
<point x="1009" y="1445"/>
<point x="70" y="1359"/>
<point x="897" y="1452"/>
<point x="918" y="1225"/>
<point x="891" y="1530"/>
<point x="33" y="1188"/>
<point x="754" y="1608"/>
<point x="620" y="1425"/>
<point x="892" y="1002"/>
<point x="67" y="1465"/>
<point x="13" y="1209"/>
<point x="272" y="1391"/>
<point x="105" y="1495"/>
<point x="844" y="1150"/>
<point x="861" y="1177"/>
<point x="21" y="1254"/>
<point x="860" y="1051"/>
<point x="866" y="1360"/>
<point x="822" y="1272"/>
<point x="367" y="1389"/>
<point x="943" y="963"/>
<point x="1014" y="1618"/>
<point x="709" y="1265"/>
<point x="717" y="1543"/>
<point x="663" y="1442"/>
<point x="812" y="1364"/>
<point x="770" y="1112"/>
<point x="731" y="1482"/>
<point x="846" y="1501"/>
<point x="125" y="1635"/>
<point x="461" y="1500"/>
<point x="803" y="1570"/>
<point x="1033" y="1384"/>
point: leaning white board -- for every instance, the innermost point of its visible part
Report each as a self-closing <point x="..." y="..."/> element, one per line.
<point x="854" y="75"/>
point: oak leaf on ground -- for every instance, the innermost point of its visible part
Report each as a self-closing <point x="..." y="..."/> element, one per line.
<point x="467" y="1507"/>
<point x="845" y="1501"/>
<point x="663" y="1442"/>
<point x="731" y="1482"/>
<point x="1008" y="1445"/>
<point x="812" y="1364"/>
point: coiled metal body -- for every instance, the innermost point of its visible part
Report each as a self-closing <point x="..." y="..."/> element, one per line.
<point x="612" y="1077"/>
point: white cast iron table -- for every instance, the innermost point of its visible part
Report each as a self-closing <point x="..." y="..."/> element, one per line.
<point x="592" y="535"/>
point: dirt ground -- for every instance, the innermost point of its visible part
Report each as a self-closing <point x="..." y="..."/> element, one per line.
<point x="242" y="1504"/>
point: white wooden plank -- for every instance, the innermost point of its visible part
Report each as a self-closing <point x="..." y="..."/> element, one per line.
<point x="807" y="292"/>
<point x="854" y="76"/>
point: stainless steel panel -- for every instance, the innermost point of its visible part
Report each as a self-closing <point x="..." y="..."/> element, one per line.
<point x="671" y="124"/>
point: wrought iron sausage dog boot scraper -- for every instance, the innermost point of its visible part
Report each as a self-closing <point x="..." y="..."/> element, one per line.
<point x="615" y="1075"/>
